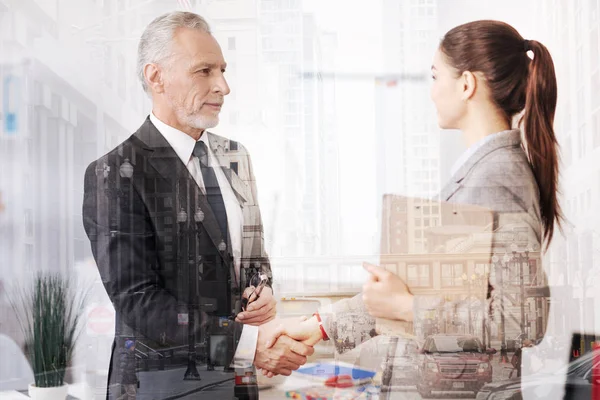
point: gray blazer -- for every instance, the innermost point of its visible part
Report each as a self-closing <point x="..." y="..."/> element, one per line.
<point x="496" y="176"/>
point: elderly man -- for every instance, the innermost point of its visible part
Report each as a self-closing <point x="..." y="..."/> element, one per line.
<point x="173" y="221"/>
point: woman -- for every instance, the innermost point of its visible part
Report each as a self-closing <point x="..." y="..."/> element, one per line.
<point x="483" y="77"/>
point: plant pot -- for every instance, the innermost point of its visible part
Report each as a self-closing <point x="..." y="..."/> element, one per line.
<point x="48" y="393"/>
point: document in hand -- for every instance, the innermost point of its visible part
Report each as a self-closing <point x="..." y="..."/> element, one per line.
<point x="435" y="247"/>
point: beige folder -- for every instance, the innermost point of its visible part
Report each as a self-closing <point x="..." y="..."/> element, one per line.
<point x="419" y="235"/>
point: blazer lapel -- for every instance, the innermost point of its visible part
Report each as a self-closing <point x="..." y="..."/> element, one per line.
<point x="448" y="190"/>
<point x="240" y="188"/>
<point x="167" y="163"/>
<point x="503" y="139"/>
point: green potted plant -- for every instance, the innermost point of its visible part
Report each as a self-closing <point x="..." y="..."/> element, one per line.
<point x="49" y="313"/>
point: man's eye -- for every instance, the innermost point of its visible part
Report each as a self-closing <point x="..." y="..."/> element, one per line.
<point x="205" y="71"/>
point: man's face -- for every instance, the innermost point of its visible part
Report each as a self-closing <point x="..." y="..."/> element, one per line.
<point x="194" y="85"/>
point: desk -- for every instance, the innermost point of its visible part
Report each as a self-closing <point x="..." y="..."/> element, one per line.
<point x="294" y="382"/>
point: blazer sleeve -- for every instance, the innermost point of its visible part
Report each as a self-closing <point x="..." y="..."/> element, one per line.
<point x="348" y="319"/>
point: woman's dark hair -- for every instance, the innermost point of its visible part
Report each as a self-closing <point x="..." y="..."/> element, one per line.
<point x="516" y="82"/>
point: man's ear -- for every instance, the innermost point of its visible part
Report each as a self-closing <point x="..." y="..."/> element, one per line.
<point x="153" y="74"/>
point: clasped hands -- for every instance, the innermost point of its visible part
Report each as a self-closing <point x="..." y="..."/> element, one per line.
<point x="385" y="295"/>
<point x="275" y="352"/>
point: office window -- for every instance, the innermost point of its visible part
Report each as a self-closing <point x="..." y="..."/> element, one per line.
<point x="286" y="276"/>
<point x="567" y="152"/>
<point x="589" y="198"/>
<point x="108" y="66"/>
<point x="314" y="279"/>
<point x="29" y="257"/>
<point x="122" y="84"/>
<point x="233" y="117"/>
<point x="596" y="88"/>
<point x="596" y="124"/>
<point x="418" y="275"/>
<point x="28" y="224"/>
<point x="108" y="9"/>
<point x="594" y="51"/>
<point x="452" y="274"/>
<point x="482" y="269"/>
<point x="582" y="139"/>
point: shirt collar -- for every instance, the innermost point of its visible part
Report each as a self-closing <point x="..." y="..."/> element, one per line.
<point x="464" y="157"/>
<point x="181" y="142"/>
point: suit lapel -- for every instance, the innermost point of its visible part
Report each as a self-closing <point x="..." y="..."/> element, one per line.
<point x="240" y="188"/>
<point x="167" y="163"/>
<point x="504" y="139"/>
<point x="448" y="190"/>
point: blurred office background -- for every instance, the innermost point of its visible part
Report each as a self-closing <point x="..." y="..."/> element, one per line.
<point x="331" y="98"/>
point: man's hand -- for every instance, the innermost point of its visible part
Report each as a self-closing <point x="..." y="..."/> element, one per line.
<point x="386" y="295"/>
<point x="259" y="311"/>
<point x="302" y="330"/>
<point x="282" y="357"/>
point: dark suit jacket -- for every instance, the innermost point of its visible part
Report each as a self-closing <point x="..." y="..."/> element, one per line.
<point x="139" y="207"/>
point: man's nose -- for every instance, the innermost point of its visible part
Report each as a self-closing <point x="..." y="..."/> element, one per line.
<point x="221" y="85"/>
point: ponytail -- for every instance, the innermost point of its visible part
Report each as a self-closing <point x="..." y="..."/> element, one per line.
<point x="542" y="147"/>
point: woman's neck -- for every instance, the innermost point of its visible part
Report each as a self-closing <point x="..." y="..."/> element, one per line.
<point x="482" y="125"/>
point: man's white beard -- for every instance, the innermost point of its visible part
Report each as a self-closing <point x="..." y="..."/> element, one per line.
<point x="195" y="121"/>
<point x="201" y="122"/>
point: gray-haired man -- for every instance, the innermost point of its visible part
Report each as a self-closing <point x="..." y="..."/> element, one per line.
<point x="171" y="214"/>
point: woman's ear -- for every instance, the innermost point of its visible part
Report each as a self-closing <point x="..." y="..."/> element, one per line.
<point x="468" y="82"/>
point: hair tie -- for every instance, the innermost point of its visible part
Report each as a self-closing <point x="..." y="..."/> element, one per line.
<point x="527" y="45"/>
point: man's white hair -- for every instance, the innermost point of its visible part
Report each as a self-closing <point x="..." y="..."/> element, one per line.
<point x="157" y="40"/>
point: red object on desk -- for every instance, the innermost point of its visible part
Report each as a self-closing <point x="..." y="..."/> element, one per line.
<point x="341" y="381"/>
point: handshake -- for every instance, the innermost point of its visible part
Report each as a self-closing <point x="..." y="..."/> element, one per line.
<point x="284" y="344"/>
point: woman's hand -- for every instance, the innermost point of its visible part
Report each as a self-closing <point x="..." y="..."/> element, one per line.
<point x="386" y="295"/>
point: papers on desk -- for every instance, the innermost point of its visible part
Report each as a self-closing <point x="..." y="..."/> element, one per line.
<point x="367" y="392"/>
<point x="457" y="231"/>
<point x="324" y="371"/>
<point x="12" y="395"/>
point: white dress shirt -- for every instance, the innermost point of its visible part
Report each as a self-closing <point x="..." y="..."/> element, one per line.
<point x="183" y="144"/>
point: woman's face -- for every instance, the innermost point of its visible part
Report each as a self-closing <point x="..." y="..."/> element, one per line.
<point x="447" y="92"/>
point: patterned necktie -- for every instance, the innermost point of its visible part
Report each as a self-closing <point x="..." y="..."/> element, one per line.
<point x="211" y="185"/>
